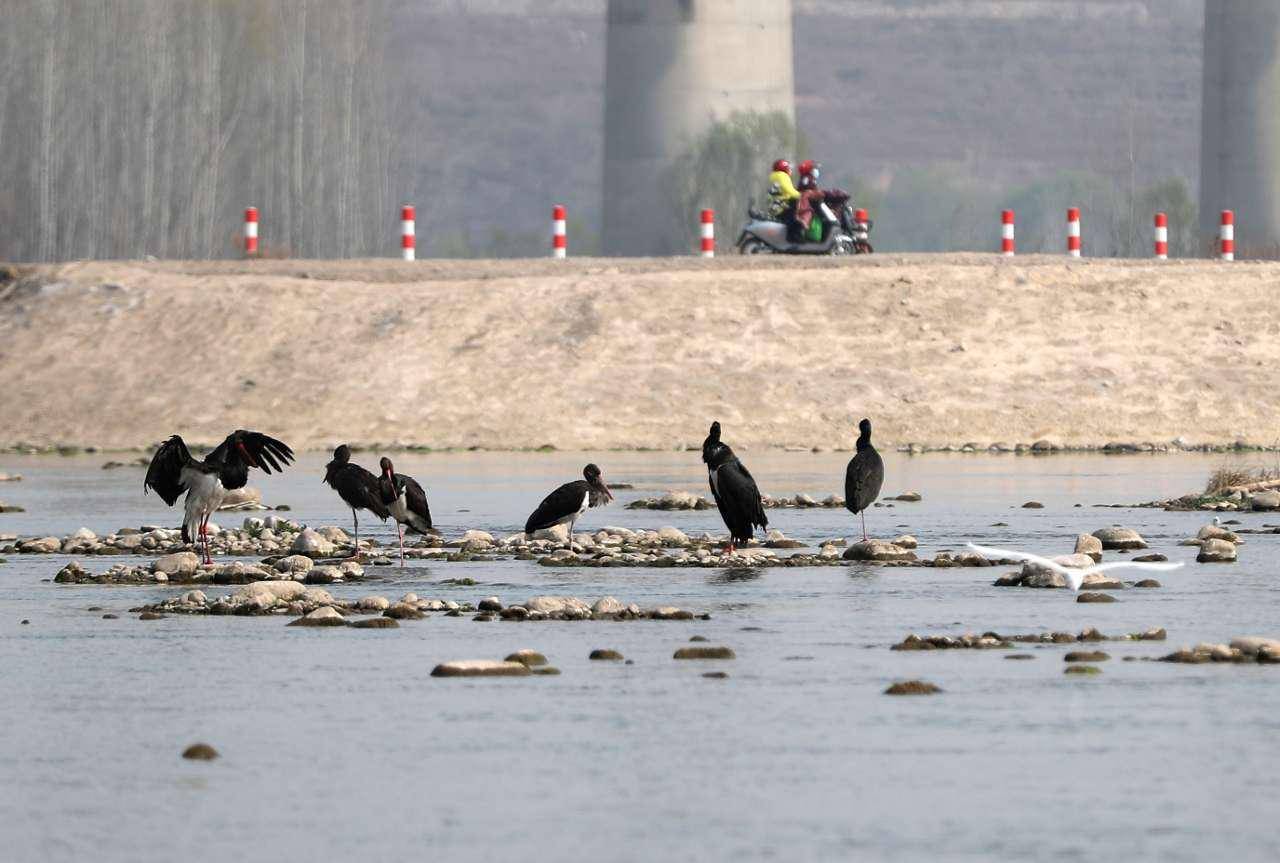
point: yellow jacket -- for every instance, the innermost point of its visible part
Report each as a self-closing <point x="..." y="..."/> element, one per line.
<point x="781" y="191"/>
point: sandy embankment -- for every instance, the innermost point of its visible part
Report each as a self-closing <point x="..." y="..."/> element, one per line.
<point x="601" y="354"/>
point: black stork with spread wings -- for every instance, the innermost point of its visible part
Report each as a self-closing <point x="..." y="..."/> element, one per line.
<point x="206" y="481"/>
<point x="734" y="489"/>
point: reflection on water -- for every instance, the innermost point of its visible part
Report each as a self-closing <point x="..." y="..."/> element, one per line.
<point x="338" y="743"/>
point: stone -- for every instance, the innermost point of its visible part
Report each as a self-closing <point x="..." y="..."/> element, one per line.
<point x="557" y="533"/>
<point x="1216" y="551"/>
<point x="906" y="541"/>
<point x="373" y="603"/>
<point x="1119" y="538"/>
<point x="547" y="669"/>
<point x="1019" y="656"/>
<point x="1099" y="581"/>
<point x="1153" y="557"/>
<point x="1095" y="597"/>
<point x="555" y="604"/>
<point x="607" y="605"/>
<point x="312" y="544"/>
<point x="1265" y="500"/>
<point x="294" y="564"/>
<point x="1212" y="531"/>
<point x="403" y="611"/>
<point x="909" y="497"/>
<point x="480" y="537"/>
<point x="606" y="655"/>
<point x="912" y="687"/>
<point x="282" y="591"/>
<point x="1148" y="582"/>
<point x="480" y="668"/>
<point x="1253" y="645"/>
<point x="182" y="563"/>
<point x="1082" y="669"/>
<point x="1087" y="543"/>
<point x="527" y="657"/>
<point x="877" y="550"/>
<point x="150" y="615"/>
<point x="317" y="596"/>
<point x="242" y="498"/>
<point x="375" y="623"/>
<point x="673" y="536"/>
<point x="323" y="616"/>
<point x="515" y="612"/>
<point x="1086" y="656"/>
<point x="491" y="603"/>
<point x="704" y="652"/>
<point x="716" y="675"/>
<point x="1033" y="504"/>
<point x="194" y="597"/>
<point x="199" y="752"/>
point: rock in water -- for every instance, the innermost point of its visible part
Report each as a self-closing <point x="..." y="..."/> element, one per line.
<point x="1216" y="551"/>
<point x="480" y="668"/>
<point x="877" y="550"/>
<point x="527" y="657"/>
<point x="324" y="616"/>
<point x="912" y="687"/>
<point x="704" y="652"/>
<point x="606" y="655"/>
<point x="1087" y="543"/>
<point x="1119" y="538"/>
<point x="200" y="752"/>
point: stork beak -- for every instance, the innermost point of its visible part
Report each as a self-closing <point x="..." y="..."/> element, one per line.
<point x="244" y="453"/>
<point x="604" y="489"/>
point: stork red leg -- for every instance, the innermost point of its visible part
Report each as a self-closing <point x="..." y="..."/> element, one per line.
<point x="864" y="525"/>
<point x="400" y="534"/>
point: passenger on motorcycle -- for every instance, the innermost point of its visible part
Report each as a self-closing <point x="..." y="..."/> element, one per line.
<point x="786" y="204"/>
<point x="836" y="199"/>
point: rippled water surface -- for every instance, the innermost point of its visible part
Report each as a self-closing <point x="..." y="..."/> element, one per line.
<point x="337" y="743"/>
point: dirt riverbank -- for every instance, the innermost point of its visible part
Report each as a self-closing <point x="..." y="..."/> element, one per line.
<point x="608" y="354"/>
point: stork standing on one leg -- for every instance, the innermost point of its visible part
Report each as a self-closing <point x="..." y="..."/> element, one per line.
<point x="174" y="470"/>
<point x="566" y="504"/>
<point x="734" y="488"/>
<point x="405" y="500"/>
<point x="356" y="486"/>
<point x="864" y="476"/>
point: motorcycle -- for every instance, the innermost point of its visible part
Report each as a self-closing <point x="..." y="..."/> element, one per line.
<point x="845" y="235"/>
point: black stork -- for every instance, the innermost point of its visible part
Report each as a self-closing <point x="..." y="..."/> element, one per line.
<point x="356" y="486"/>
<point x="864" y="476"/>
<point x="405" y="500"/>
<point x="174" y="470"/>
<point x="734" y="489"/>
<point x="567" y="503"/>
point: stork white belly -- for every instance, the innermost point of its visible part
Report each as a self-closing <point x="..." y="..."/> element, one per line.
<point x="400" y="509"/>
<point x="574" y="516"/>
<point x="204" y="495"/>
<point x="711" y="472"/>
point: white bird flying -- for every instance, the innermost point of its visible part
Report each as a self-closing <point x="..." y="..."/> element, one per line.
<point x="1074" y="577"/>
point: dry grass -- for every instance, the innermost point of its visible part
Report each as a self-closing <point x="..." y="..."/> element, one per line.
<point x="1230" y="476"/>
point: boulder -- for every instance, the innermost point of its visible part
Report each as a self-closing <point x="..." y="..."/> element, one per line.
<point x="335" y="535"/>
<point x="703" y="651"/>
<point x="480" y="668"/>
<point x="323" y="616"/>
<point x="527" y="657"/>
<point x="284" y="591"/>
<point x="181" y="563"/>
<point x="43" y="545"/>
<point x="909" y="497"/>
<point x="673" y="536"/>
<point x="317" y="596"/>
<point x="1253" y="645"/>
<point x="404" y="611"/>
<point x="1087" y="543"/>
<point x="877" y="549"/>
<point x="1216" y="551"/>
<point x="554" y="604"/>
<point x="606" y="655"/>
<point x="375" y="623"/>
<point x="312" y="544"/>
<point x="242" y="498"/>
<point x="1213" y="531"/>
<point x="607" y="605"/>
<point x="373" y="603"/>
<point x="906" y="541"/>
<point x="294" y="564"/>
<point x="1119" y="538"/>
<point x="477" y="536"/>
<point x="199" y="752"/>
<point x="557" y="533"/>
<point x="1265" y="500"/>
<point x="912" y="687"/>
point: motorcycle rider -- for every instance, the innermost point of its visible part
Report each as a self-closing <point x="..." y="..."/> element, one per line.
<point x="836" y="199"/>
<point x="786" y="204"/>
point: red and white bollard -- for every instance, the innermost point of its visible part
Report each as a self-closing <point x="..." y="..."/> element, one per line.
<point x="1162" y="237"/>
<point x="708" y="233"/>
<point x="1227" y="236"/>
<point x="1006" y="233"/>
<point x="408" y="231"/>
<point x="559" y="236"/>
<point x="1073" y="232"/>
<point x="250" y="231"/>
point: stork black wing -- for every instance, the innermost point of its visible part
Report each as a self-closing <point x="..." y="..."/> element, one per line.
<point x="267" y="452"/>
<point x="863" y="479"/>
<point x="359" y="489"/>
<point x="739" y="501"/>
<point x="415" y="497"/>
<point x="164" y="475"/>
<point x="561" y="503"/>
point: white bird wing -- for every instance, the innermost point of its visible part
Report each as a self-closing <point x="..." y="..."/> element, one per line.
<point x="1074" y="577"/>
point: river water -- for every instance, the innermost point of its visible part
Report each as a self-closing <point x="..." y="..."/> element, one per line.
<point x="336" y="743"/>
